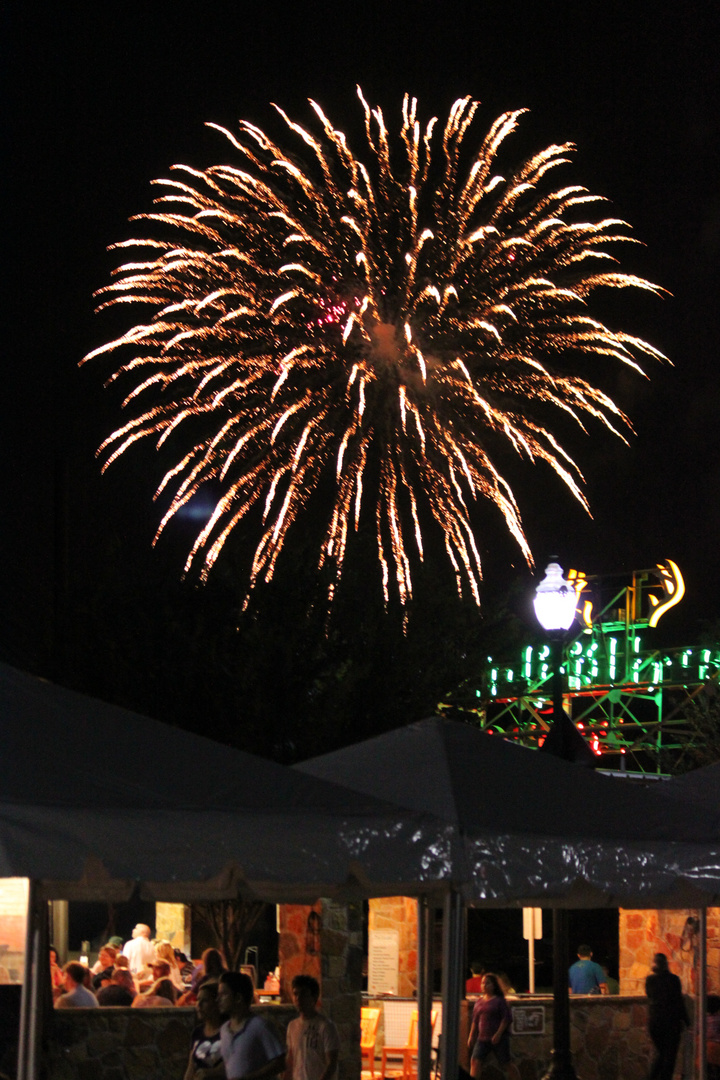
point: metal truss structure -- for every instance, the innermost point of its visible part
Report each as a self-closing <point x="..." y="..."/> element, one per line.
<point x="632" y="701"/>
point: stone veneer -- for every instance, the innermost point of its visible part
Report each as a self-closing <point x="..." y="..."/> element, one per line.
<point x="145" y="1044"/>
<point x="608" y="1040"/>
<point x="399" y="913"/>
<point x="644" y="933"/>
<point x="299" y="950"/>
<point x="333" y="956"/>
<point x="342" y="955"/>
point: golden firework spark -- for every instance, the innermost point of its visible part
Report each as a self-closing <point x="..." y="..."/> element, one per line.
<point x="321" y="314"/>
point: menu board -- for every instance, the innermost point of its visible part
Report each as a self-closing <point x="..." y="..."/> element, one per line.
<point x="383" y="961"/>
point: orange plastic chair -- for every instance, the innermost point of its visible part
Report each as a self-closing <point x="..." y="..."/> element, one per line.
<point x="369" y="1019"/>
<point x="408" y="1052"/>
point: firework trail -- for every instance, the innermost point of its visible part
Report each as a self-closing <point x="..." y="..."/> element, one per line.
<point x="320" y="316"/>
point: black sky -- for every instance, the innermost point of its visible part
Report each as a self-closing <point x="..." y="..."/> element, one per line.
<point x="104" y="97"/>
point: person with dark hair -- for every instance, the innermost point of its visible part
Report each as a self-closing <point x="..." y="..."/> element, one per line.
<point x="249" y="1048"/>
<point x="211" y="966"/>
<point x="712" y="1032"/>
<point x="205" y="1061"/>
<point x="490" y="1027"/>
<point x="56" y="972"/>
<point x="120" y="991"/>
<point x="587" y="977"/>
<point x="313" y="1044"/>
<point x="76" y="995"/>
<point x="185" y="966"/>
<point x="160" y="995"/>
<point x="473" y="985"/>
<point x="667" y="1015"/>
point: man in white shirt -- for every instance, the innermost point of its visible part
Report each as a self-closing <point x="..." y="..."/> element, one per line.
<point x="312" y="1039"/>
<point x="140" y="951"/>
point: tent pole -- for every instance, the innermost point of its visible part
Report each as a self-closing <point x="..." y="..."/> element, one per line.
<point x="701" y="998"/>
<point x="561" y="1066"/>
<point x="424" y="990"/>
<point x="452" y="973"/>
<point x="27" y="988"/>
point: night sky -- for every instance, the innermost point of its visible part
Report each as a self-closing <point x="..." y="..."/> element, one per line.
<point x="105" y="97"/>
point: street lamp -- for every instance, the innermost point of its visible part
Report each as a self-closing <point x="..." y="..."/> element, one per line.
<point x="555" y="602"/>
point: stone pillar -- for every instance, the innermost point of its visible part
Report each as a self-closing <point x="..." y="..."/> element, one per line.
<point x="399" y="913"/>
<point x="644" y="933"/>
<point x="172" y="923"/>
<point x="342" y="980"/>
<point x="299" y="945"/>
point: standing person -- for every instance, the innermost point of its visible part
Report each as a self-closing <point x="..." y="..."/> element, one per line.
<point x="249" y="1048"/>
<point x="712" y="1031"/>
<point x="139" y="950"/>
<point x="490" y="1027"/>
<point x="587" y="977"/>
<point x="313" y="1044"/>
<point x="76" y="995"/>
<point x="667" y="1016"/>
<point x="56" y="972"/>
<point x="205" y="1061"/>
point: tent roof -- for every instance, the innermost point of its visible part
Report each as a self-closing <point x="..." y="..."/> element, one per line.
<point x="91" y="806"/>
<point x="536" y="830"/>
<point x="481" y="782"/>
<point x="61" y="748"/>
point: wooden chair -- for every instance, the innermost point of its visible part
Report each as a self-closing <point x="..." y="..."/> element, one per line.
<point x="408" y="1052"/>
<point x="369" y="1019"/>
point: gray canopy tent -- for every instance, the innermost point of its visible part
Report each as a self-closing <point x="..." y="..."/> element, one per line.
<point x="533" y="831"/>
<point x="89" y="810"/>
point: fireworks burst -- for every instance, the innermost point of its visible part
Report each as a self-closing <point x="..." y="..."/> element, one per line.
<point x="319" y="316"/>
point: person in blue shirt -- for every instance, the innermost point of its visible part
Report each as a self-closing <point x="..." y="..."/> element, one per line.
<point x="587" y="977"/>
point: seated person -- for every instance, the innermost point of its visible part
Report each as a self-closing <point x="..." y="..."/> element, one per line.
<point x="161" y="995"/>
<point x="57" y="978"/>
<point x="119" y="991"/>
<point x="186" y="966"/>
<point x="76" y="995"/>
<point x="165" y="951"/>
<point x="211" y="966"/>
<point x="106" y="965"/>
<point x="158" y="969"/>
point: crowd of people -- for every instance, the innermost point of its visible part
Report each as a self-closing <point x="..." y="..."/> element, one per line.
<point x="228" y="1042"/>
<point x="141" y="973"/>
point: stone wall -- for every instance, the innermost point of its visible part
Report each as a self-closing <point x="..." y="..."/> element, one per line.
<point x="115" y="1044"/>
<point x="608" y="1040"/>
<point x="299" y="944"/>
<point x="644" y="933"/>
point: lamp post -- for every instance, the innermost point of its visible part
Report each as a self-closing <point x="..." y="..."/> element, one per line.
<point x="555" y="602"/>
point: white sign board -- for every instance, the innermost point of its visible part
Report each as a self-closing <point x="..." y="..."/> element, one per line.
<point x="528" y="1019"/>
<point x="383" y="961"/>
